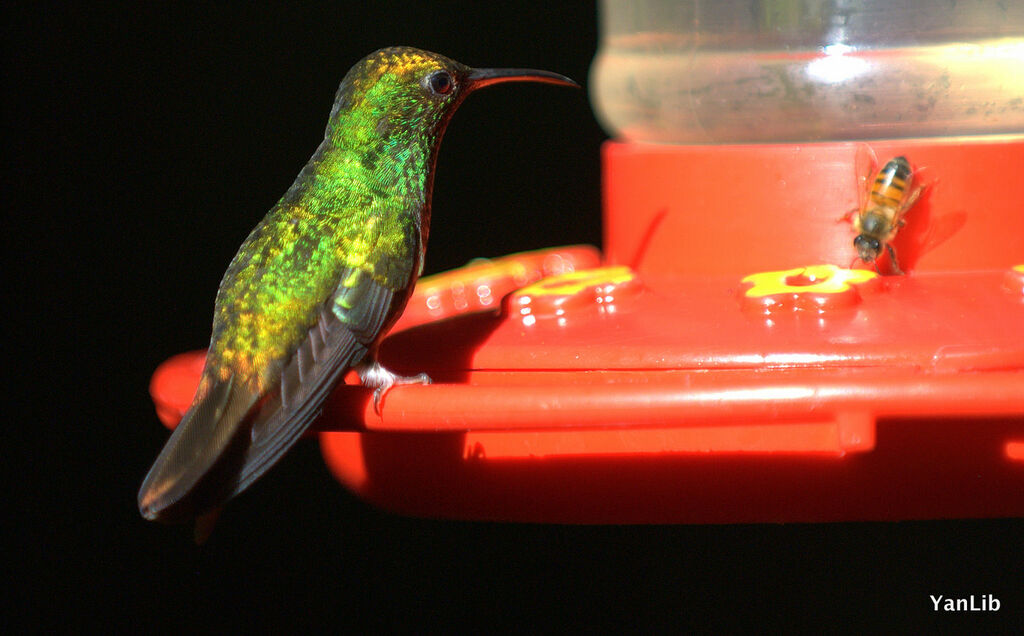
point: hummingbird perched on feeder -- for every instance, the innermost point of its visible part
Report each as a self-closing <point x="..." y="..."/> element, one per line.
<point x="317" y="284"/>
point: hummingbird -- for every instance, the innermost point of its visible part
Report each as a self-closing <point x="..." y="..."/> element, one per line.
<point x="320" y="280"/>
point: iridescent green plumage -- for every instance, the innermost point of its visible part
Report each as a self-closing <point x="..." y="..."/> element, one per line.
<point x="360" y="204"/>
<point x="320" y="280"/>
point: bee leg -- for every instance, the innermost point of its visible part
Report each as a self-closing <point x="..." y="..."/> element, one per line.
<point x="892" y="258"/>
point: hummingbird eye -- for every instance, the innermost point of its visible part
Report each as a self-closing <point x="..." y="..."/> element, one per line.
<point x="440" y="83"/>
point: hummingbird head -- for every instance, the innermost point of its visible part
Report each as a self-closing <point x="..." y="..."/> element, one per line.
<point x="402" y="91"/>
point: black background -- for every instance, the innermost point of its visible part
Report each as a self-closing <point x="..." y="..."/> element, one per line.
<point x="143" y="143"/>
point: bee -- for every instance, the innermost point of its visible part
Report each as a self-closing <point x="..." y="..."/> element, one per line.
<point x="883" y="204"/>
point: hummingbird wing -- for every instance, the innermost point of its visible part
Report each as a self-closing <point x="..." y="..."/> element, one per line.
<point x="347" y="327"/>
<point x="232" y="435"/>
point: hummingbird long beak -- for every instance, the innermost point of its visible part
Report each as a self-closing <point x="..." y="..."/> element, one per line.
<point x="480" y="77"/>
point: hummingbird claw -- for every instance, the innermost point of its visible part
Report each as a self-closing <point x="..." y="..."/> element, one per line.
<point x="374" y="376"/>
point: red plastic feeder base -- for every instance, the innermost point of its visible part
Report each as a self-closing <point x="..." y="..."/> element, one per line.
<point x="723" y="365"/>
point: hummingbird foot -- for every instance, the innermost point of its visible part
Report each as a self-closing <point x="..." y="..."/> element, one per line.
<point x="374" y="376"/>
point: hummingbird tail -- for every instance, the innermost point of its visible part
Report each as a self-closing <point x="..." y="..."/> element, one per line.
<point x="199" y="444"/>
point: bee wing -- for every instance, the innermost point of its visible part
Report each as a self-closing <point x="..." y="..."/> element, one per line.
<point x="865" y="165"/>
<point x="909" y="201"/>
<point x="915" y="190"/>
<point x="917" y="185"/>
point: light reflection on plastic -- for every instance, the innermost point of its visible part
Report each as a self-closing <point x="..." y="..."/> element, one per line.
<point x="798" y="358"/>
<point x="483" y="292"/>
<point x="836" y="67"/>
<point x="765" y="393"/>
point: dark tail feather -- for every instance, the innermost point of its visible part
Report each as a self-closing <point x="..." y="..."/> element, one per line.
<point x="198" y="444"/>
<point x="204" y="525"/>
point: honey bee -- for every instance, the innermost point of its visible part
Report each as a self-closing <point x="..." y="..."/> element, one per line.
<point x="883" y="203"/>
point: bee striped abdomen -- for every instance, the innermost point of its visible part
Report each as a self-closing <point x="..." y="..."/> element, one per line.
<point x="891" y="184"/>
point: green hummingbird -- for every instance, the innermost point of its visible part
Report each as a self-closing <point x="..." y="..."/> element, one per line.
<point x="320" y="280"/>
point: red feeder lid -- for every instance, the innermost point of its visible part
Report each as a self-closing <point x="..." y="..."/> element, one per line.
<point x="724" y="364"/>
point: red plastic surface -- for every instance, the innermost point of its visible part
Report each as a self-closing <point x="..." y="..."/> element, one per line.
<point x="741" y="209"/>
<point x="697" y="387"/>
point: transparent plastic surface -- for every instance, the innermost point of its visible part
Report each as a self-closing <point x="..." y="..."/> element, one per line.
<point x="735" y="71"/>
